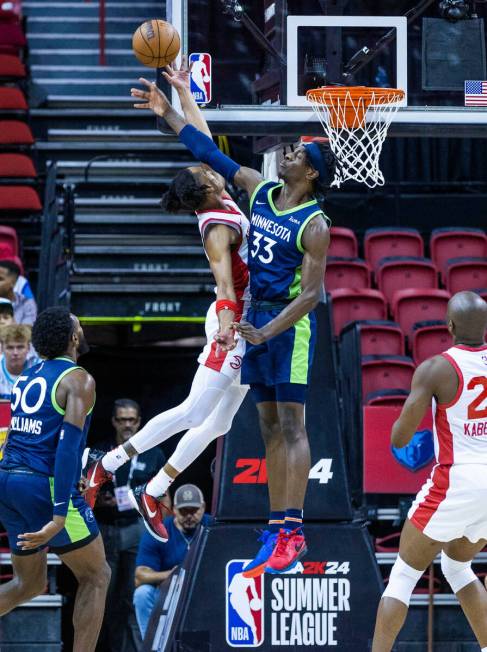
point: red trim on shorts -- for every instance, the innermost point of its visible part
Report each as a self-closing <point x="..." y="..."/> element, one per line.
<point x="214" y="361"/>
<point x="463" y="347"/>
<point x="454" y="364"/>
<point x="433" y="499"/>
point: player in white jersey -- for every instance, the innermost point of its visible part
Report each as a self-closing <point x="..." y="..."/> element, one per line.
<point x="449" y="514"/>
<point x="216" y="393"/>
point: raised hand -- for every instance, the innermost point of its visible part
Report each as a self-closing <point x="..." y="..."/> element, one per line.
<point x="155" y="100"/>
<point x="179" y="79"/>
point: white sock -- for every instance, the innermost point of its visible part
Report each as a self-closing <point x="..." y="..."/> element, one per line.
<point x="115" y="459"/>
<point x="159" y="484"/>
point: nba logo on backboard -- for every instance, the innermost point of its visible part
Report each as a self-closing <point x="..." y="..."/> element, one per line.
<point x="245" y="606"/>
<point x="200" y="65"/>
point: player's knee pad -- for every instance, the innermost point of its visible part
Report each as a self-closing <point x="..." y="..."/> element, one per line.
<point x="402" y="580"/>
<point x="457" y="573"/>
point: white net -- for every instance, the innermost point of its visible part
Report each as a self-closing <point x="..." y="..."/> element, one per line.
<point x="356" y="123"/>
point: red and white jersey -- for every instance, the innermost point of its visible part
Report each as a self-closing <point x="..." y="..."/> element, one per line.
<point x="233" y="217"/>
<point x="460" y="427"/>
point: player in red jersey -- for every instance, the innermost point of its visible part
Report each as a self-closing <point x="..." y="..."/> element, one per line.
<point x="449" y="514"/>
<point x="216" y="393"/>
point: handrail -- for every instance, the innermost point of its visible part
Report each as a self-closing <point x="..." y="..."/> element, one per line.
<point x="49" y="224"/>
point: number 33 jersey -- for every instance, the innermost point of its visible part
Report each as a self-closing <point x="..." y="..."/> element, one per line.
<point x="37" y="419"/>
<point x="276" y="251"/>
<point x="460" y="427"/>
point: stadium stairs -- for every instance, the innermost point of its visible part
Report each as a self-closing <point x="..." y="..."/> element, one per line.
<point x="129" y="261"/>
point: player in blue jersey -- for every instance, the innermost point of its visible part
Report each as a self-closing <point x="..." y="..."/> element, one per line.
<point x="289" y="238"/>
<point x="40" y="504"/>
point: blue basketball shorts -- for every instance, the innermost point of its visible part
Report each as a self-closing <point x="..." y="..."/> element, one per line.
<point x="26" y="505"/>
<point x="283" y="360"/>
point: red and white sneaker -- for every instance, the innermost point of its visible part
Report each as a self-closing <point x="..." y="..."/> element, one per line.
<point x="95" y="473"/>
<point x="152" y="511"/>
<point x="290" y="548"/>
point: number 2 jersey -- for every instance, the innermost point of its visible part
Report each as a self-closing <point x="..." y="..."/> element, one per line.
<point x="460" y="427"/>
<point x="276" y="251"/>
<point x="37" y="419"/>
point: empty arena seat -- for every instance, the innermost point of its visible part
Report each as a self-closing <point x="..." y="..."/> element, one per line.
<point x="15" y="132"/>
<point x="381" y="338"/>
<point x="353" y="305"/>
<point x="465" y="274"/>
<point x="387" y="398"/>
<point x="19" y="198"/>
<point x="430" y="338"/>
<point x="346" y="273"/>
<point x="413" y="305"/>
<point x="12" y="99"/>
<point x="399" y="272"/>
<point x="11" y="67"/>
<point x="16" y="165"/>
<point x="12" y="35"/>
<point x="391" y="241"/>
<point x="14" y="259"/>
<point x="458" y="242"/>
<point x="381" y="372"/>
<point x="343" y="243"/>
<point x="9" y="239"/>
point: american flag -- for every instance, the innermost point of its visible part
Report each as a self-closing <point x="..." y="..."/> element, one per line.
<point x="475" y="93"/>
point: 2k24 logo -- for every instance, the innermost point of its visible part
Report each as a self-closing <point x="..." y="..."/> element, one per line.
<point x="255" y="471"/>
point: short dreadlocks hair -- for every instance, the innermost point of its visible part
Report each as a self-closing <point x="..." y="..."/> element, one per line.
<point x="52" y="331"/>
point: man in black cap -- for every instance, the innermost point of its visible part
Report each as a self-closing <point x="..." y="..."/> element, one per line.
<point x="156" y="561"/>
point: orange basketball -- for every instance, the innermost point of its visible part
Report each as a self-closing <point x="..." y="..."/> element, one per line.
<point x="155" y="43"/>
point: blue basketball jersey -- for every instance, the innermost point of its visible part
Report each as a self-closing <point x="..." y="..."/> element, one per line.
<point x="37" y="419"/>
<point x="276" y="252"/>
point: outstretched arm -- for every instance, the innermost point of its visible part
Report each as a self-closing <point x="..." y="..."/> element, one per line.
<point x="315" y="242"/>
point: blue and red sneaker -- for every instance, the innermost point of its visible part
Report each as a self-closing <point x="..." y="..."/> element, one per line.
<point x="256" y="567"/>
<point x="94" y="473"/>
<point x="289" y="549"/>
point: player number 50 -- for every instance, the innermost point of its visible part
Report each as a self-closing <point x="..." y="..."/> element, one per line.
<point x="267" y="244"/>
<point x="20" y="395"/>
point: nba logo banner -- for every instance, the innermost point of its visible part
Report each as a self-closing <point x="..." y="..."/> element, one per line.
<point x="245" y="606"/>
<point x="200" y="77"/>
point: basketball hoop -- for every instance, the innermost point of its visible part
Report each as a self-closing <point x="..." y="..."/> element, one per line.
<point x="356" y="120"/>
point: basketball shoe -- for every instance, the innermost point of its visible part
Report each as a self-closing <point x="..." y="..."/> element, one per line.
<point x="289" y="549"/>
<point x="95" y="473"/>
<point x="152" y="511"/>
<point x="257" y="566"/>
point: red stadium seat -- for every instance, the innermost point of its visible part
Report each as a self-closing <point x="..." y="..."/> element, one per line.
<point x="9" y="239"/>
<point x="12" y="99"/>
<point x="343" y="243"/>
<point x="465" y="274"/>
<point x="346" y="273"/>
<point x="381" y="338"/>
<point x="11" y="34"/>
<point x="15" y="132"/>
<point x="391" y="241"/>
<point x="387" y="398"/>
<point x="455" y="243"/>
<point x="7" y="16"/>
<point x="411" y="306"/>
<point x="430" y="338"/>
<point x="14" y="259"/>
<point x="354" y="305"/>
<point x="16" y="165"/>
<point x="399" y="272"/>
<point x="381" y="372"/>
<point x="19" y="198"/>
<point x="11" y="67"/>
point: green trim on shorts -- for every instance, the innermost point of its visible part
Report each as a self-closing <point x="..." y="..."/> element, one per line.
<point x="75" y="524"/>
<point x="55" y="404"/>
<point x="300" y="355"/>
<point x="295" y="287"/>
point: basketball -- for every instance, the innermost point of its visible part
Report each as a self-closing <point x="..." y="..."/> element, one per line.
<point x="155" y="43"/>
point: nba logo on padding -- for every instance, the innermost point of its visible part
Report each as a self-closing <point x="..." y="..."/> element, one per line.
<point x="200" y="65"/>
<point x="245" y="606"/>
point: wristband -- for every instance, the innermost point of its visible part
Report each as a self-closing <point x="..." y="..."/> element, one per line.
<point x="227" y="304"/>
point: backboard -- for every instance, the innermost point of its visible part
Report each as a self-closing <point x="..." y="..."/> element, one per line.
<point x="267" y="53"/>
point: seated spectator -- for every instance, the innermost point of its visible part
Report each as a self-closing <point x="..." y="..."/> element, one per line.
<point x="25" y="308"/>
<point x="15" y="357"/>
<point x="22" y="286"/>
<point x="156" y="561"/>
<point x="6" y="312"/>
